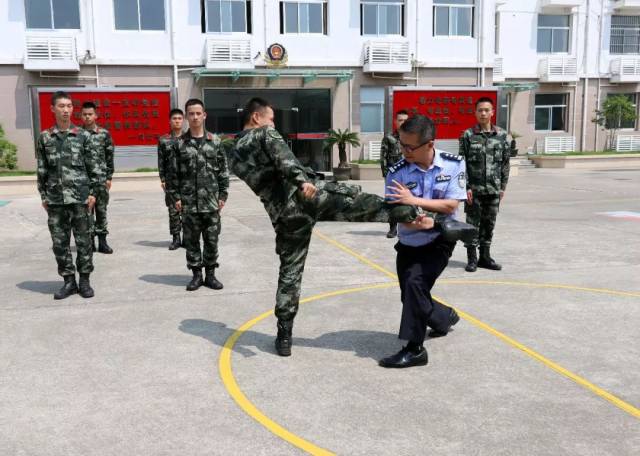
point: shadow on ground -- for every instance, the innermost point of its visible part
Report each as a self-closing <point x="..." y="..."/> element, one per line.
<point x="163" y="244"/>
<point x="176" y="280"/>
<point x="44" y="287"/>
<point x="382" y="234"/>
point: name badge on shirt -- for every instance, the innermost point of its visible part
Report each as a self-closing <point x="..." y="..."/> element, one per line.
<point x="443" y="178"/>
<point x="411" y="185"/>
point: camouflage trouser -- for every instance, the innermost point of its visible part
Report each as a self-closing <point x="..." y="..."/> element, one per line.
<point x="175" y="220"/>
<point x="62" y="221"/>
<point x="334" y="202"/>
<point x="207" y="225"/>
<point x="482" y="213"/>
<point x="98" y="218"/>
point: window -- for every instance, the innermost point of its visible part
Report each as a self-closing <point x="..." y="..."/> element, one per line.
<point x="303" y="17"/>
<point x="453" y="17"/>
<point x="503" y="109"/>
<point x="631" y="124"/>
<point x="371" y="109"/>
<point x="550" y="111"/>
<point x="139" y="14"/>
<point x="52" y="14"/>
<point x="382" y="17"/>
<point x="625" y="35"/>
<point x="553" y="33"/>
<point x="226" y="16"/>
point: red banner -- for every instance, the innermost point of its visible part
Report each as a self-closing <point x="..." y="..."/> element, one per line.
<point x="453" y="111"/>
<point x="134" y="118"/>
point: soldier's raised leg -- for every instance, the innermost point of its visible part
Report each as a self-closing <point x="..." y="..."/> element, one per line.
<point x="100" y="226"/>
<point x="59" y="223"/>
<point x="474" y="214"/>
<point x="210" y="234"/>
<point x="490" y="208"/>
<point x="192" y="227"/>
<point x="84" y="252"/>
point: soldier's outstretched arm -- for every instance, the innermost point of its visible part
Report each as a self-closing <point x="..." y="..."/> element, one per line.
<point x="42" y="171"/>
<point x="108" y="155"/>
<point x="283" y="158"/>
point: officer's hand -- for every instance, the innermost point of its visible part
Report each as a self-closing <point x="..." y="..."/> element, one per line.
<point x="108" y="184"/>
<point x="162" y="184"/>
<point x="308" y="190"/>
<point x="45" y="206"/>
<point x="501" y="194"/>
<point x="400" y="194"/>
<point x="470" y="196"/>
<point x="179" y="206"/>
<point x="91" y="202"/>
<point x="422" y="222"/>
<point x="220" y="205"/>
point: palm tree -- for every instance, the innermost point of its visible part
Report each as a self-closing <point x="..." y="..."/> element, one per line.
<point x="342" y="138"/>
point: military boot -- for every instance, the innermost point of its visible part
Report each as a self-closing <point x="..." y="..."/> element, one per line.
<point x="393" y="230"/>
<point x="210" y="279"/>
<point x="486" y="261"/>
<point x="103" y="247"/>
<point x="176" y="243"/>
<point x="283" y="340"/>
<point x="84" y="287"/>
<point x="70" y="287"/>
<point x="196" y="281"/>
<point x="472" y="259"/>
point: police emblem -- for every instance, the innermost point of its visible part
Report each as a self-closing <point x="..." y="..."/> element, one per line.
<point x="462" y="181"/>
<point x="443" y="178"/>
<point x="276" y="55"/>
<point x="411" y="185"/>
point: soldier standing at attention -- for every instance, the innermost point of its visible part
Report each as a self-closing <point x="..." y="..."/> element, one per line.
<point x="165" y="147"/>
<point x="486" y="151"/>
<point x="103" y="148"/>
<point x="199" y="185"/>
<point x="68" y="179"/>
<point x="295" y="200"/>
<point x="390" y="154"/>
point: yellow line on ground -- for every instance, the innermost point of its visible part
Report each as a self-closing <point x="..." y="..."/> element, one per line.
<point x="226" y="373"/>
<point x="634" y="411"/>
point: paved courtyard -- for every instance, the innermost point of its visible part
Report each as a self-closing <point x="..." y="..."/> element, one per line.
<point x="546" y="360"/>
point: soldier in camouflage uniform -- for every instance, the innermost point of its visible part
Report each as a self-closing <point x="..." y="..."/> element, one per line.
<point x="68" y="179"/>
<point x="390" y="153"/>
<point x="199" y="186"/>
<point x="486" y="151"/>
<point x="295" y="200"/>
<point x="103" y="148"/>
<point x="165" y="147"/>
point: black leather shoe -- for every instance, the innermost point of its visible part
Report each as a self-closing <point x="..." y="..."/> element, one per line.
<point x="84" y="287"/>
<point x="176" y="243"/>
<point x="196" y="281"/>
<point x="406" y="358"/>
<point x="70" y="287"/>
<point x="103" y="247"/>
<point x="393" y="230"/>
<point x="211" y="281"/>
<point x="283" y="340"/>
<point x="453" y="319"/>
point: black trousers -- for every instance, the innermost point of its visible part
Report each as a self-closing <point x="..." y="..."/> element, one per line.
<point x="418" y="268"/>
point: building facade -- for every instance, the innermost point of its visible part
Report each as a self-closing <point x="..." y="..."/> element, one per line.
<point x="554" y="61"/>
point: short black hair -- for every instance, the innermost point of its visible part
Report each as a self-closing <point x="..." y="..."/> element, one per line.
<point x="484" y="100"/>
<point x="59" y="95"/>
<point x="175" y="111"/>
<point x="422" y="125"/>
<point x="89" y="105"/>
<point x="193" y="102"/>
<point x="256" y="104"/>
<point x="402" y="112"/>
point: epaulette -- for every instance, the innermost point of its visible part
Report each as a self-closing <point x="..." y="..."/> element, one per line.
<point x="74" y="130"/>
<point x="210" y="136"/>
<point x="397" y="166"/>
<point x="448" y="156"/>
<point x="167" y="136"/>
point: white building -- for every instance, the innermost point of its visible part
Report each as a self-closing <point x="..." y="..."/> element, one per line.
<point x="555" y="59"/>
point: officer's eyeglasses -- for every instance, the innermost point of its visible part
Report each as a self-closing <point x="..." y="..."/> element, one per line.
<point x="409" y="148"/>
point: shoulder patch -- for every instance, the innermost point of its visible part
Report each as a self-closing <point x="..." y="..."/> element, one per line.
<point x="397" y="166"/>
<point x="448" y="156"/>
<point x="167" y="136"/>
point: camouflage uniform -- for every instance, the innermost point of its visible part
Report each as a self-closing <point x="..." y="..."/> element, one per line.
<point x="67" y="176"/>
<point x="165" y="147"/>
<point x="390" y="152"/>
<point x="102" y="145"/>
<point x="263" y="161"/>
<point x="199" y="178"/>
<point x="487" y="156"/>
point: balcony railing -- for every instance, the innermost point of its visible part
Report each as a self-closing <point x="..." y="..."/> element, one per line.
<point x="50" y="53"/>
<point x="229" y="54"/>
<point x="558" y="69"/>
<point x="386" y="57"/>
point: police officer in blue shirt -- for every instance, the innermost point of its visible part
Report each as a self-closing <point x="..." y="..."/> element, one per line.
<point x="434" y="181"/>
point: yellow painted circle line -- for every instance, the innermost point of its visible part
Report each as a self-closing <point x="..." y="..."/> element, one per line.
<point x="224" y="366"/>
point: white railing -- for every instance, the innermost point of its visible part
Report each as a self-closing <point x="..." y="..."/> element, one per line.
<point x="627" y="143"/>
<point x="50" y="52"/>
<point x="387" y="56"/>
<point x="561" y="3"/>
<point x="625" y="69"/>
<point x="498" y="71"/>
<point x="374" y="149"/>
<point x="559" y="144"/>
<point x="229" y="53"/>
<point x="558" y="69"/>
<point x="626" y="4"/>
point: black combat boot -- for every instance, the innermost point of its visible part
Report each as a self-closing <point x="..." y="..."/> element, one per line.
<point x="393" y="230"/>
<point x="176" y="243"/>
<point x="283" y="341"/>
<point x="196" y="281"/>
<point x="84" y="287"/>
<point x="103" y="247"/>
<point x="211" y="281"/>
<point x="93" y="243"/>
<point x="70" y="287"/>
<point x="472" y="259"/>
<point x="486" y="261"/>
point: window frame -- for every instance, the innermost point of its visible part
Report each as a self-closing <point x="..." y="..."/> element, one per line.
<point x="401" y="3"/>
<point x="139" y="29"/>
<point x="564" y="107"/>
<point x="52" y="16"/>
<point x="552" y="29"/>
<point x="611" y="28"/>
<point x="247" y="21"/>
<point x="449" y="7"/>
<point x="283" y="16"/>
<point x="381" y="104"/>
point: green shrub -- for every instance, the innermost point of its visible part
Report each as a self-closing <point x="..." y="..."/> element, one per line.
<point x="8" y="152"/>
